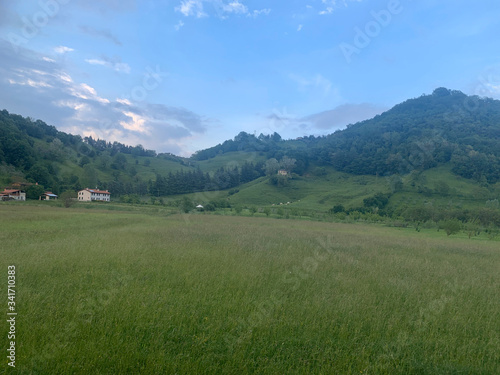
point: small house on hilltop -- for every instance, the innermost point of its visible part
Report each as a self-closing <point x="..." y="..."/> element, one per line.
<point x="48" y="196"/>
<point x="88" y="195"/>
<point x="12" y="194"/>
<point x="282" y="172"/>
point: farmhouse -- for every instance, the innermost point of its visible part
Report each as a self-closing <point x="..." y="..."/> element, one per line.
<point x="88" y="195"/>
<point x="48" y="196"/>
<point x="282" y="172"/>
<point x="12" y="194"/>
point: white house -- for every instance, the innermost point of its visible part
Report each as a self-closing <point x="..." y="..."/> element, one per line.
<point x="88" y="195"/>
<point x="12" y="194"/>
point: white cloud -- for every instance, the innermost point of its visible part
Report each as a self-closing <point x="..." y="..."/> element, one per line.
<point x="124" y="101"/>
<point x="331" y="5"/>
<point x="116" y="66"/>
<point x="30" y="82"/>
<point x="328" y="10"/>
<point x="318" y="82"/>
<point x="135" y="123"/>
<point x="178" y="26"/>
<point x="86" y="92"/>
<point x="222" y="8"/>
<point x="63" y="49"/>
<point x="191" y="8"/>
<point x="257" y="13"/>
<point x="235" y="7"/>
<point x="299" y="28"/>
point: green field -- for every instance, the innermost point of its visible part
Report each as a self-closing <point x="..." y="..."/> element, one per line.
<point x="150" y="292"/>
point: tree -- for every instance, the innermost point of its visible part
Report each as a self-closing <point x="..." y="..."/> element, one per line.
<point x="442" y="188"/>
<point x="287" y="163"/>
<point x="84" y="161"/>
<point x="472" y="228"/>
<point x="34" y="191"/>
<point x="90" y="175"/>
<point x="39" y="173"/>
<point x="68" y="198"/>
<point x="338" y="208"/>
<point x="271" y="167"/>
<point x="186" y="205"/>
<point x="451" y="226"/>
<point x="120" y="161"/>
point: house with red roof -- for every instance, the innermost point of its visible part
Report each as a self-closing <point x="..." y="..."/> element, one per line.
<point x="88" y="195"/>
<point x="12" y="194"/>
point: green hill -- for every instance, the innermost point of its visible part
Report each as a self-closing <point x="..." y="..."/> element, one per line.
<point x="438" y="151"/>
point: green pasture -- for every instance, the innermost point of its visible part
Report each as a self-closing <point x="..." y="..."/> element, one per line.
<point x="146" y="291"/>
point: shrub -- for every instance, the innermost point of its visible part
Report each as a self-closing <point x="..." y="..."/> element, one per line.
<point x="68" y="198"/>
<point x="451" y="226"/>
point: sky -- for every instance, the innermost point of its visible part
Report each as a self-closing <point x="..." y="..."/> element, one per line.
<point x="183" y="75"/>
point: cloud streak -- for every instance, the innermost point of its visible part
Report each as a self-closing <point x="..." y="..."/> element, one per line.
<point x="223" y="9"/>
<point x="342" y="116"/>
<point x="117" y="66"/>
<point x="332" y="5"/>
<point x="62" y="50"/>
<point x="104" y="33"/>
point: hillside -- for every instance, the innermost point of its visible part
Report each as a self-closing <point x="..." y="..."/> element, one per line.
<point x="34" y="152"/>
<point x="446" y="127"/>
<point x="439" y="151"/>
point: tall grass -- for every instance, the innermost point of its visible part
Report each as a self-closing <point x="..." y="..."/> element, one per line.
<point x="109" y="292"/>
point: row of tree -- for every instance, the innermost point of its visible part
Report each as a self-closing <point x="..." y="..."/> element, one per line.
<point x="183" y="182"/>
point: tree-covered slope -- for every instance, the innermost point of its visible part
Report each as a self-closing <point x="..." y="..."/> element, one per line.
<point x="432" y="130"/>
<point x="446" y="128"/>
<point x="34" y="152"/>
<point x="421" y="133"/>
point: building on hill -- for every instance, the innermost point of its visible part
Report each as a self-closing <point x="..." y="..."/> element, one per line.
<point x="12" y="194"/>
<point x="282" y="172"/>
<point x="48" y="196"/>
<point x="88" y="195"/>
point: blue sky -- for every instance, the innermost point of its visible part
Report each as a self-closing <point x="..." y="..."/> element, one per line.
<point x="181" y="75"/>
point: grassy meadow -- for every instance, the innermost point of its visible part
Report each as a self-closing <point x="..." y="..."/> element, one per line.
<point x="133" y="292"/>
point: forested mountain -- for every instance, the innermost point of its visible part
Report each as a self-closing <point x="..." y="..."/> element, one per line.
<point x="444" y="128"/>
<point x="447" y="126"/>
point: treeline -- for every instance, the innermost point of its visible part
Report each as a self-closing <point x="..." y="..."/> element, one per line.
<point x="183" y="182"/>
<point x="115" y="147"/>
<point x="242" y="142"/>
<point x="376" y="208"/>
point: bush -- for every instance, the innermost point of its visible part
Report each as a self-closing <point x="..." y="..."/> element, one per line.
<point x="186" y="205"/>
<point x="209" y="207"/>
<point x="451" y="226"/>
<point x="68" y="198"/>
<point x="337" y="209"/>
